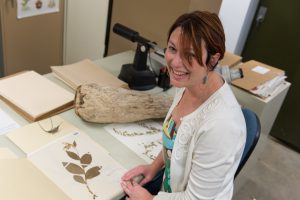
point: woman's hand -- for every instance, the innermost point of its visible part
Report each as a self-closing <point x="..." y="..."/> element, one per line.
<point x="135" y="192"/>
<point x="143" y="170"/>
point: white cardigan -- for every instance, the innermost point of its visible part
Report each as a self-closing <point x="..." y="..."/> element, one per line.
<point x="207" y="148"/>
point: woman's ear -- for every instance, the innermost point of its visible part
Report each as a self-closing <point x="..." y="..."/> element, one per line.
<point x="214" y="59"/>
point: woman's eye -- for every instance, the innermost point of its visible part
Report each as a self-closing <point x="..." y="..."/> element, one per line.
<point x="191" y="56"/>
<point x="171" y="49"/>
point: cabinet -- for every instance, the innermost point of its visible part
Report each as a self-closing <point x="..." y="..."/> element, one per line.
<point x="31" y="43"/>
<point x="85" y="29"/>
<point x="266" y="109"/>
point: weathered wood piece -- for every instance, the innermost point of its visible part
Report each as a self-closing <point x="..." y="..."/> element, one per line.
<point x="106" y="104"/>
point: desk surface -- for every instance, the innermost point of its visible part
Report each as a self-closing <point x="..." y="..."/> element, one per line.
<point x="266" y="109"/>
<point x="122" y="154"/>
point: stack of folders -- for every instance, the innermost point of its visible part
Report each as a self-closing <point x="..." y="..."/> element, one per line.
<point x="260" y="79"/>
<point x="85" y="72"/>
<point x="33" y="96"/>
<point x="65" y="164"/>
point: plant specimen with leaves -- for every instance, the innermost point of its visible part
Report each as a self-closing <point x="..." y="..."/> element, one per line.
<point x="81" y="169"/>
<point x="150" y="130"/>
<point x="24" y="4"/>
<point x="149" y="148"/>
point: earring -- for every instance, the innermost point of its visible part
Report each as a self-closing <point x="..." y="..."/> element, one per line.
<point x="205" y="78"/>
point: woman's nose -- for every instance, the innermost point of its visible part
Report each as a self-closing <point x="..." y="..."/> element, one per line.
<point x="176" y="61"/>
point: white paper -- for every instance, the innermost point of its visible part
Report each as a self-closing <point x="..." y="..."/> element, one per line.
<point x="260" y="70"/>
<point x="6" y="153"/>
<point x="54" y="161"/>
<point x="28" y="8"/>
<point x="6" y="123"/>
<point x="269" y="87"/>
<point x="144" y="138"/>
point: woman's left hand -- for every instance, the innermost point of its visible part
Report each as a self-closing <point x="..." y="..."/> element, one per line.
<point x="135" y="191"/>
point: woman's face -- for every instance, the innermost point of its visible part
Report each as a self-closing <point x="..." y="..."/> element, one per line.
<point x="183" y="74"/>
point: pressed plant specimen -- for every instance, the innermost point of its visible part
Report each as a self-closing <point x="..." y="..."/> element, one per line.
<point x="81" y="169"/>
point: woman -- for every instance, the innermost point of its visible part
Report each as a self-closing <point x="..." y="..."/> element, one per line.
<point x="204" y="132"/>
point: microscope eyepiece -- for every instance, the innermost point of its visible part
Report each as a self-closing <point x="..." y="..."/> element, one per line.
<point x="125" y="32"/>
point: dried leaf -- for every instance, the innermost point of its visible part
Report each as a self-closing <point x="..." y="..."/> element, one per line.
<point x="64" y="163"/>
<point x="73" y="155"/>
<point x="93" y="172"/>
<point x="79" y="179"/>
<point x="74" y="169"/>
<point x="86" y="159"/>
<point x="74" y="144"/>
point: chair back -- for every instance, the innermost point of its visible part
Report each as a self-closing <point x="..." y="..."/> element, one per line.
<point x="253" y="133"/>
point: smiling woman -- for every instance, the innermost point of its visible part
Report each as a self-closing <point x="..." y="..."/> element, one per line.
<point x="204" y="131"/>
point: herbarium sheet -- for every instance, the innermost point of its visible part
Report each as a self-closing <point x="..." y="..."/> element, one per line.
<point x="80" y="167"/>
<point x="144" y="137"/>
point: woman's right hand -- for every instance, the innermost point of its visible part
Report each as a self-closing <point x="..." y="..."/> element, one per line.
<point x="146" y="171"/>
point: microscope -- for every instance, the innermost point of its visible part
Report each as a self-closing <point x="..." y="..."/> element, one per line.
<point x="138" y="74"/>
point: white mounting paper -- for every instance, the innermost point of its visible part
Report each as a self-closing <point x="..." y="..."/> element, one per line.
<point x="144" y="138"/>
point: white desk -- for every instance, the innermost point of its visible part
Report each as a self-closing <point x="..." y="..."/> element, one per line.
<point x="266" y="109"/>
<point x="118" y="151"/>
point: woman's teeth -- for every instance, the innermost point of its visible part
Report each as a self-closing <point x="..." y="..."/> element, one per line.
<point x="179" y="73"/>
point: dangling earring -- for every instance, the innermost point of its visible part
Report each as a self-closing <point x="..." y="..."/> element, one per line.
<point x="205" y="78"/>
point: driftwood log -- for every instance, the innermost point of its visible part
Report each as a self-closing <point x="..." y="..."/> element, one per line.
<point x="105" y="104"/>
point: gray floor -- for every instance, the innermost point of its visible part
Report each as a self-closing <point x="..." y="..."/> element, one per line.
<point x="271" y="173"/>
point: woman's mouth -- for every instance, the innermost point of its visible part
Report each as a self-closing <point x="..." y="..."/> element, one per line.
<point x="178" y="75"/>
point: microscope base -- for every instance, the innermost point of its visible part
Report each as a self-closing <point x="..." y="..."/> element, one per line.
<point x="137" y="79"/>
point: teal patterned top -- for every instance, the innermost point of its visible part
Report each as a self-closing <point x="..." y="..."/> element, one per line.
<point x="169" y="135"/>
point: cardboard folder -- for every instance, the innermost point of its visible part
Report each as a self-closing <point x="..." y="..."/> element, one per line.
<point x="33" y="96"/>
<point x="20" y="179"/>
<point x="230" y="59"/>
<point x="85" y="72"/>
<point x="256" y="74"/>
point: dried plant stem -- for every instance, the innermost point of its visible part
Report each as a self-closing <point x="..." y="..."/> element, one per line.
<point x="85" y="180"/>
<point x="90" y="191"/>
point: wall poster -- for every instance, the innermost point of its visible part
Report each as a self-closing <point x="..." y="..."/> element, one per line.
<point x="28" y="8"/>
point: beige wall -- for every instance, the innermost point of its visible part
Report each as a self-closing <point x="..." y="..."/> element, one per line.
<point x="151" y="19"/>
<point x="210" y="5"/>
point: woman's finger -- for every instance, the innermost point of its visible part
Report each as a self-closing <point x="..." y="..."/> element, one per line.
<point x="130" y="174"/>
<point x="125" y="187"/>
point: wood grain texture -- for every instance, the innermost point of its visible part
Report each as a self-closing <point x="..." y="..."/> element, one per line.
<point x="106" y="104"/>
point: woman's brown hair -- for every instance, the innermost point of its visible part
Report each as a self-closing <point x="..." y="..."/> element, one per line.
<point x="200" y="26"/>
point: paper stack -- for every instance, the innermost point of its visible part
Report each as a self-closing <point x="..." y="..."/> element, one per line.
<point x="260" y="79"/>
<point x="22" y="180"/>
<point x="69" y="159"/>
<point x="85" y="72"/>
<point x="34" y="96"/>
